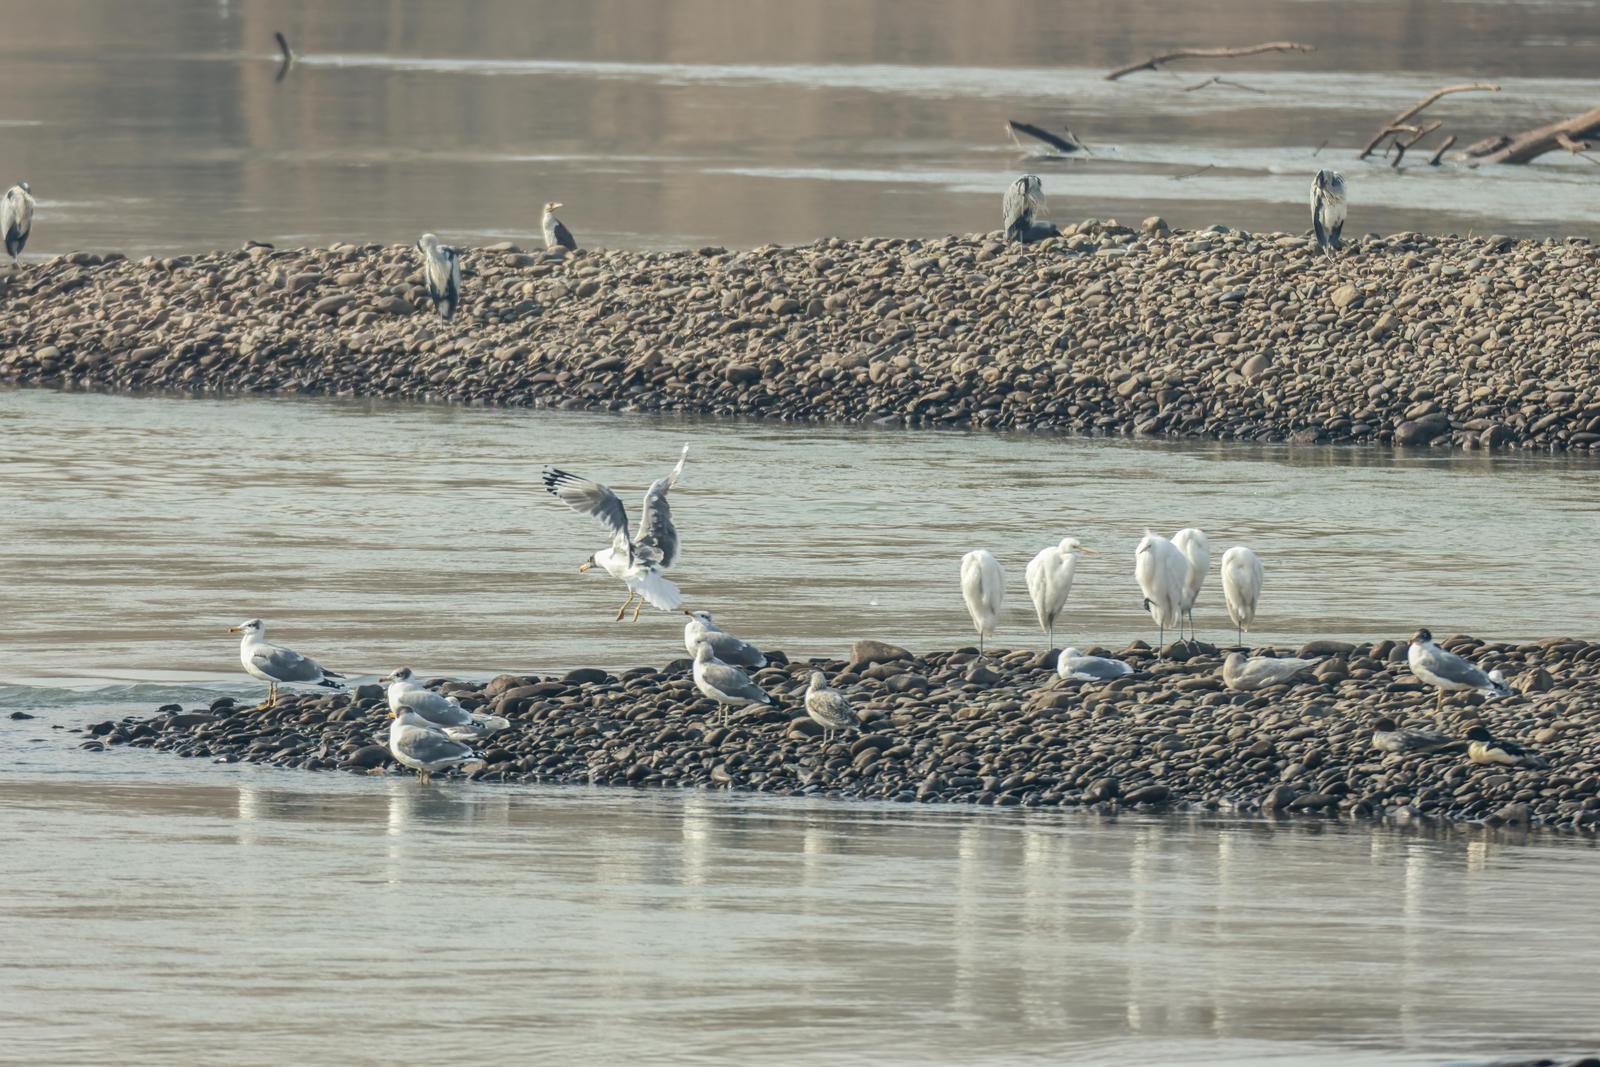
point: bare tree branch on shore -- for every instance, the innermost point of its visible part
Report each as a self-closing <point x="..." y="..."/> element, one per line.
<point x="1217" y="79"/>
<point x="1064" y="145"/>
<point x="1438" y="153"/>
<point x="1531" y="144"/>
<point x="1208" y="53"/>
<point x="1417" y="134"/>
<point x="1399" y="124"/>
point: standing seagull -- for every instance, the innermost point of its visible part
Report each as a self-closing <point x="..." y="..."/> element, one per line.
<point x="828" y="708"/>
<point x="1446" y="671"/>
<point x="1049" y="578"/>
<point x="700" y="629"/>
<point x="16" y="219"/>
<point x="983" y="587"/>
<point x="728" y="686"/>
<point x="414" y="742"/>
<point x="555" y="234"/>
<point x="441" y="267"/>
<point x="1024" y="197"/>
<point x="635" y="561"/>
<point x="1327" y="208"/>
<point x="1196" y="549"/>
<point x="1162" y="572"/>
<point x="1241" y="586"/>
<point x="275" y="665"/>
<point x="443" y="713"/>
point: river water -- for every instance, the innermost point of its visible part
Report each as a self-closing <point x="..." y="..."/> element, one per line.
<point x="160" y="127"/>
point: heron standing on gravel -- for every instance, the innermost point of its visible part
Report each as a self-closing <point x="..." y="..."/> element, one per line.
<point x="983" y="587"/>
<point x="555" y="234"/>
<point x="1049" y="578"/>
<point x="1196" y="549"/>
<point x="16" y="219"/>
<point x="1241" y="586"/>
<point x="441" y="268"/>
<point x="1327" y="208"/>
<point x="1161" y="571"/>
<point x="1022" y="199"/>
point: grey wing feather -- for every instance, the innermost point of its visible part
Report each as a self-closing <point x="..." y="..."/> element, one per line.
<point x="564" y="237"/>
<point x="430" y="746"/>
<point x="286" y="665"/>
<point x="734" y="650"/>
<point x="436" y="708"/>
<point x="1097" y="667"/>
<point x="590" y="498"/>
<point x="1452" y="668"/>
<point x="831" y="705"/>
<point x="733" y="681"/>
<point x="658" y="538"/>
<point x="1015" y="206"/>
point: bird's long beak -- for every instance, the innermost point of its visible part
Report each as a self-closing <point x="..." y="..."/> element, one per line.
<point x="584" y="566"/>
<point x="554" y="206"/>
<point x="1090" y="551"/>
<point x="236" y="629"/>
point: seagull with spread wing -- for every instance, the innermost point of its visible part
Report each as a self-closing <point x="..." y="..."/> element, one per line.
<point x="635" y="560"/>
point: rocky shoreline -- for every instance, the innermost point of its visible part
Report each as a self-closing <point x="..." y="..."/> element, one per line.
<point x="999" y="730"/>
<point x="1477" y="342"/>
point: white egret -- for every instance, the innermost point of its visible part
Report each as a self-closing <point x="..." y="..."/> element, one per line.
<point x="1161" y="571"/>
<point x="1241" y="586"/>
<point x="1327" y="208"/>
<point x="1049" y="577"/>
<point x="279" y="666"/>
<point x="1196" y="549"/>
<point x="983" y="587"/>
<point x="1448" y="672"/>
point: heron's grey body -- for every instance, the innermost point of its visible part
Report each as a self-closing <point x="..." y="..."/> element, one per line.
<point x="1328" y="207"/>
<point x="417" y="744"/>
<point x="828" y="708"/>
<point x="1448" y="672"/>
<point x="701" y="629"/>
<point x="1024" y="197"/>
<point x="1247" y="675"/>
<point x="636" y="560"/>
<point x="16" y="218"/>
<point x="728" y="686"/>
<point x="1387" y="737"/>
<point x="279" y="666"/>
<point x="556" y="235"/>
<point x="442" y="712"/>
<point x="1074" y="665"/>
<point x="441" y="268"/>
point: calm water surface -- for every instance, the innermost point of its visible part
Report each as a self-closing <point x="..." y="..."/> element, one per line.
<point x="159" y="127"/>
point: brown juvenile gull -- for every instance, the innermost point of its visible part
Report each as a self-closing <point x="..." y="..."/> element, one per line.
<point x="724" y="646"/>
<point x="636" y="561"/>
<point x="279" y="666"/>
<point x="1387" y="737"/>
<point x="828" y="708"/>
<point x="1247" y="675"/>
<point x="728" y="686"/>
<point x="442" y="712"/>
<point x="414" y="742"/>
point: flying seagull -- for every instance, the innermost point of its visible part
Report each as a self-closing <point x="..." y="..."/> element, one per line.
<point x="635" y="560"/>
<point x="279" y="666"/>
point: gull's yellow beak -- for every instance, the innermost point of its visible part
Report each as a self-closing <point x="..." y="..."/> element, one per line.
<point x="584" y="566"/>
<point x="392" y="714"/>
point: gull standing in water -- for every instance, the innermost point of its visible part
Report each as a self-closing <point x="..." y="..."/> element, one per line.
<point x="983" y="587"/>
<point x="728" y="686"/>
<point x="279" y="666"/>
<point x="1161" y="571"/>
<point x="442" y="712"/>
<point x="1049" y="578"/>
<point x="1196" y="549"/>
<point x="1327" y="208"/>
<point x="16" y="219"/>
<point x="414" y="742"/>
<point x="1241" y="586"/>
<point x="1074" y="665"/>
<point x="555" y="234"/>
<point x="636" y="561"/>
<point x="441" y="268"/>
<point x="1448" y="672"/>
<point x="700" y="629"/>
<point x="828" y="708"/>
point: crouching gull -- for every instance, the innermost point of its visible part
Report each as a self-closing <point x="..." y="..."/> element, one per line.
<point x="1076" y="666"/>
<point x="1247" y="675"/>
<point x="700" y="629"/>
<point x="442" y="712"/>
<point x="279" y="666"/>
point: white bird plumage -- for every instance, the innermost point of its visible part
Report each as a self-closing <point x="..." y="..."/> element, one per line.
<point x="441" y="269"/>
<point x="1161" y="571"/>
<point x="1241" y="586"/>
<point x="1049" y="577"/>
<point x="1448" y="672"/>
<point x="1075" y="665"/>
<point x="1328" y="207"/>
<point x="983" y="587"/>
<point x="444" y="713"/>
<point x="279" y="666"/>
<point x="416" y="743"/>
<point x="1196" y="549"/>
<point x="16" y="219"/>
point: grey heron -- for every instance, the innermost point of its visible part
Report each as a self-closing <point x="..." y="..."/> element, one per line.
<point x="1196" y="549"/>
<point x="1244" y="675"/>
<point x="1161" y="571"/>
<point x="1049" y="577"/>
<point x="1387" y="737"/>
<point x="1023" y="198"/>
<point x="279" y="666"/>
<point x="416" y="743"/>
<point x="727" y="685"/>
<point x="1241" y="586"/>
<point x="983" y="587"/>
<point x="828" y="708"/>
<point x="16" y="219"/>
<point x="1448" y="672"/>
<point x="1328" y="208"/>
<point x="441" y="268"/>
<point x="701" y="628"/>
<point x="556" y="234"/>
<point x="442" y="712"/>
<point x="636" y="560"/>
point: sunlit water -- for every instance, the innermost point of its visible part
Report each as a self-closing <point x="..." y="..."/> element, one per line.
<point x="161" y="128"/>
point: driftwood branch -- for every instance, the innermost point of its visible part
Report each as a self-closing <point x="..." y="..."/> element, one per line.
<point x="1067" y="144"/>
<point x="1417" y="134"/>
<point x="1208" y="53"/>
<point x="1217" y="79"/>
<point x="1398" y="124"/>
<point x="1438" y="153"/>
<point x="1531" y="144"/>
